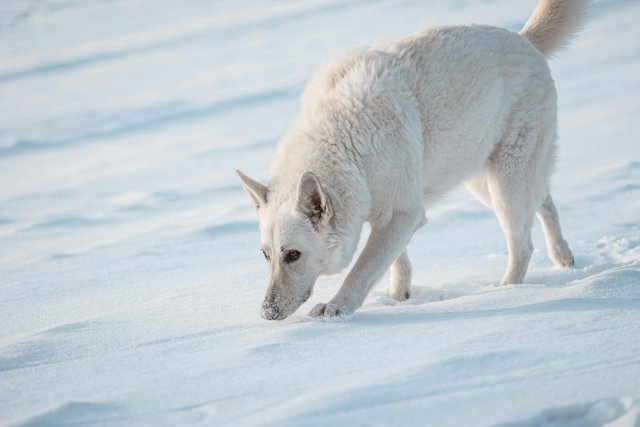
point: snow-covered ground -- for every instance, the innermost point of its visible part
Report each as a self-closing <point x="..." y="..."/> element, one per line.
<point x="130" y="280"/>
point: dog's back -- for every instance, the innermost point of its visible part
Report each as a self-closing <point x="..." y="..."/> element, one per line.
<point x="467" y="84"/>
<point x="468" y="81"/>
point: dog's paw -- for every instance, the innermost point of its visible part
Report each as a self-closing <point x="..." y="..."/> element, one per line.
<point x="329" y="311"/>
<point x="562" y="256"/>
<point x="566" y="259"/>
<point x="399" y="295"/>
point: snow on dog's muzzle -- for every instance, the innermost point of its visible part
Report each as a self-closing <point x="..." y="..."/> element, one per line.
<point x="270" y="312"/>
<point x="275" y="307"/>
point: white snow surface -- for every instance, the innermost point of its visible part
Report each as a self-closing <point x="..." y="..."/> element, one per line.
<point x="130" y="280"/>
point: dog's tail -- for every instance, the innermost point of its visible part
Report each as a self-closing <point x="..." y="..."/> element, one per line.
<point x="554" y="23"/>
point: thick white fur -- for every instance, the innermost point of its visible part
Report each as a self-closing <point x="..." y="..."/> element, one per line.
<point x="553" y="24"/>
<point x="388" y="130"/>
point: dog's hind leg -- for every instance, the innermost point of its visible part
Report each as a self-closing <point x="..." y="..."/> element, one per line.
<point x="557" y="247"/>
<point x="515" y="215"/>
<point x="516" y="227"/>
<point x="517" y="173"/>
<point x="400" y="278"/>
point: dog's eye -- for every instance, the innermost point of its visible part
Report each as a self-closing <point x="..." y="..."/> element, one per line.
<point x="292" y="256"/>
<point x="266" y="256"/>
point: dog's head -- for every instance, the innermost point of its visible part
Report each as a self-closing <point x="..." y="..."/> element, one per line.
<point x="298" y="241"/>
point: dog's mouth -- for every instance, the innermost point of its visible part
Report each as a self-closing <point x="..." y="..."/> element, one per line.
<point x="271" y="311"/>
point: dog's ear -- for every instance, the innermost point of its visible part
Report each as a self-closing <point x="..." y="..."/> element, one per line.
<point x="257" y="192"/>
<point x="313" y="201"/>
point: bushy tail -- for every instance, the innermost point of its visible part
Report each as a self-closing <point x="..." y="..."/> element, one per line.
<point x="554" y="23"/>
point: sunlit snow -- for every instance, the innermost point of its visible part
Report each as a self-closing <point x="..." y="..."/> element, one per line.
<point x="130" y="277"/>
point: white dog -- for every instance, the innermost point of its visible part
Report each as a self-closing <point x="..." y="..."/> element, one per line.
<point x="387" y="130"/>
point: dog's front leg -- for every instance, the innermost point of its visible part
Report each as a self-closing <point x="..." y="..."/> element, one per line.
<point x="385" y="244"/>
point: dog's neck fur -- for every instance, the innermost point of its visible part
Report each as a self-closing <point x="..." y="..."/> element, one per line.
<point x="335" y="137"/>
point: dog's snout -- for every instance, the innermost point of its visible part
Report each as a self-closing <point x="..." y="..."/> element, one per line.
<point x="269" y="312"/>
<point x="270" y="309"/>
<point x="278" y="304"/>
